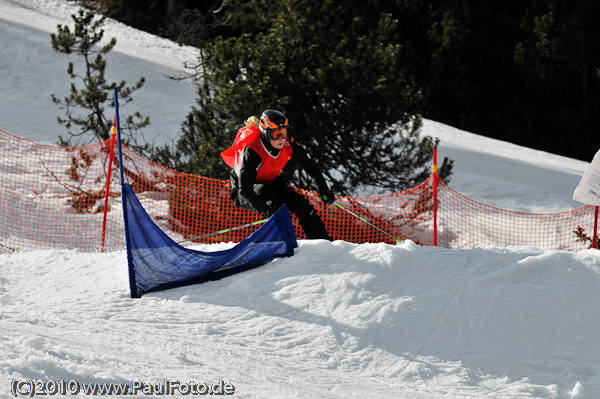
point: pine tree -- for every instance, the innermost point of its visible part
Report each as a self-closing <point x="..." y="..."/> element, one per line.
<point x="85" y="105"/>
<point x="334" y="71"/>
<point x="582" y="237"/>
<point x="558" y="59"/>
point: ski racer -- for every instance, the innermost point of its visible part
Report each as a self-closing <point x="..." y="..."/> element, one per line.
<point x="260" y="151"/>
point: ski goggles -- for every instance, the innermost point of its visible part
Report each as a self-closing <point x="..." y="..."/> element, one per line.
<point x="278" y="134"/>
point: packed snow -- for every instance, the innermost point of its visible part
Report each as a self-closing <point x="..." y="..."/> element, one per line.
<point x="336" y="320"/>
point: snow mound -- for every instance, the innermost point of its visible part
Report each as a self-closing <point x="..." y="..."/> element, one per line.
<point x="335" y="320"/>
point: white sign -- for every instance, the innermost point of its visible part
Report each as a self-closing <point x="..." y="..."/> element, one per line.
<point x="588" y="189"/>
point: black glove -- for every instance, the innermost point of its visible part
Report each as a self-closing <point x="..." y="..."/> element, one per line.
<point x="269" y="209"/>
<point x="327" y="197"/>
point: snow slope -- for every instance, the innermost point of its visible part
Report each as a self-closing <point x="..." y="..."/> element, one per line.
<point x="336" y="320"/>
<point x="28" y="64"/>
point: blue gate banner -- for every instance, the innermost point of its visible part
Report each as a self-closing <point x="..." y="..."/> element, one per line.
<point x="156" y="262"/>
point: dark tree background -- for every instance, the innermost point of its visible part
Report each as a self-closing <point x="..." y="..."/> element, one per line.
<point x="520" y="71"/>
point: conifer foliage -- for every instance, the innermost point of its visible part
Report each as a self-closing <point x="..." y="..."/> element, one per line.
<point x="90" y="93"/>
<point x="335" y="71"/>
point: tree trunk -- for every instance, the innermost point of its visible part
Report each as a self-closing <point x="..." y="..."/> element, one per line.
<point x="171" y="7"/>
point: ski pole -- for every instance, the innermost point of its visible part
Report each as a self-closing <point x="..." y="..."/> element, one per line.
<point x="225" y="230"/>
<point x="397" y="239"/>
<point x="12" y="249"/>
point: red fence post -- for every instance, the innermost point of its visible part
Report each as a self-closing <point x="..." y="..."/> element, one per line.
<point x="435" y="202"/>
<point x="107" y="194"/>
<point x="595" y="239"/>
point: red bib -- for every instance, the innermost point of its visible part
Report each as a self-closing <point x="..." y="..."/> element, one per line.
<point x="270" y="167"/>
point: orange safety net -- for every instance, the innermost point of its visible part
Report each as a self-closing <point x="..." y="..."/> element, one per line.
<point x="465" y="223"/>
<point x="54" y="198"/>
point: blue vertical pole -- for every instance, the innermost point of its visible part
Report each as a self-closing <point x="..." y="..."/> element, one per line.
<point x="119" y="135"/>
<point x="132" y="284"/>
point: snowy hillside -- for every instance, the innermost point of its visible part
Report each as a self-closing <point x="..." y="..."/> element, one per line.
<point x="32" y="71"/>
<point x="336" y="320"/>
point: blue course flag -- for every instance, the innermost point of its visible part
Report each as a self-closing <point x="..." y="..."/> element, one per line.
<point x="156" y="262"/>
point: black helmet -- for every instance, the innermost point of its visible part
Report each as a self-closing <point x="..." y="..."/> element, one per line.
<point x="272" y="121"/>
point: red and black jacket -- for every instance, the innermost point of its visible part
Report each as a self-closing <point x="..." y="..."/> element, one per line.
<point x="254" y="161"/>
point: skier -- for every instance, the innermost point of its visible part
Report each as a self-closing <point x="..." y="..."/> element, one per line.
<point x="260" y="151"/>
